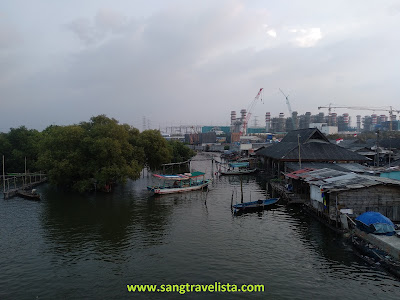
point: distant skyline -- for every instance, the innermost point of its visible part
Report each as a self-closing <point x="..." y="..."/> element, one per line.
<point x="193" y="62"/>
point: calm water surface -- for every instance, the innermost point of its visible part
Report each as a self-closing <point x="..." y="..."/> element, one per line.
<point x="90" y="247"/>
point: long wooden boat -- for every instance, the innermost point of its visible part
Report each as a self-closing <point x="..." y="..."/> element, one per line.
<point x="179" y="183"/>
<point x="31" y="195"/>
<point x="238" y="168"/>
<point x="255" y="204"/>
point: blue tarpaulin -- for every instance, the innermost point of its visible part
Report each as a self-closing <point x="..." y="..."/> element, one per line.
<point x="375" y="222"/>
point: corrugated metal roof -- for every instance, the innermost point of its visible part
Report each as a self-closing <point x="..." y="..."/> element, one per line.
<point x="321" y="174"/>
<point x="333" y="181"/>
<point x="345" y="167"/>
<point x="296" y="174"/>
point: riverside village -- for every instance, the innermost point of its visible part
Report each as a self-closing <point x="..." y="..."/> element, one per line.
<point x="292" y="170"/>
<point x="345" y="178"/>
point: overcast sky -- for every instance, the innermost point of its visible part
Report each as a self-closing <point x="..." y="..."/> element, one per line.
<point x="192" y="62"/>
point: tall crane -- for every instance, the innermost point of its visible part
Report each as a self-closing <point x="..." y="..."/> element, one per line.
<point x="290" y="109"/>
<point x="248" y="115"/>
<point x="389" y="109"/>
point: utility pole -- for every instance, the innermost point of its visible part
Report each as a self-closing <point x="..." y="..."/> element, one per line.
<point x="376" y="150"/>
<point x="298" y="142"/>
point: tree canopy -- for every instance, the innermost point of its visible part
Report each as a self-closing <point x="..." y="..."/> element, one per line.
<point x="18" y="144"/>
<point x="90" y="154"/>
<point x="180" y="152"/>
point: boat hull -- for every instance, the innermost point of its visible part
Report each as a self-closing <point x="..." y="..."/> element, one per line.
<point x="259" y="204"/>
<point x="163" y="191"/>
<point x="242" y="172"/>
<point x="28" y="195"/>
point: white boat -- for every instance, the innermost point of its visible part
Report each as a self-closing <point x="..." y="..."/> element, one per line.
<point x="179" y="183"/>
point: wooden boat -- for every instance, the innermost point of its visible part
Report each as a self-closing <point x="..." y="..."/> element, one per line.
<point x="180" y="183"/>
<point x="238" y="168"/>
<point x="31" y="195"/>
<point x="255" y="204"/>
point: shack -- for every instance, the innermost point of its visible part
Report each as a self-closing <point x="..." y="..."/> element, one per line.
<point x="332" y="193"/>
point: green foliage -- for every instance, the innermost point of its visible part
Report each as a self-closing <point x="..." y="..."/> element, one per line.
<point x="18" y="144"/>
<point x="98" y="152"/>
<point x="180" y="152"/>
<point x="156" y="149"/>
<point x="89" y="154"/>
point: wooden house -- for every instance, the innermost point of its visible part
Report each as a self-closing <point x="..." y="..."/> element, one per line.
<point x="333" y="192"/>
<point x="304" y="145"/>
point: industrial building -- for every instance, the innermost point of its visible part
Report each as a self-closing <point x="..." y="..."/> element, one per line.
<point x="327" y="124"/>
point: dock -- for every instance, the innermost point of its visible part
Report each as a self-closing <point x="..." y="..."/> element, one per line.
<point x="388" y="244"/>
<point x="285" y="194"/>
<point x="381" y="251"/>
<point x="14" y="182"/>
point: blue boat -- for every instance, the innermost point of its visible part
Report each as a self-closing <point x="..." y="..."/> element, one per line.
<point x="255" y="204"/>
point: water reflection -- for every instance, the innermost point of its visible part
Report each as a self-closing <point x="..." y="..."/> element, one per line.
<point x="91" y="246"/>
<point x="333" y="251"/>
<point x="105" y="223"/>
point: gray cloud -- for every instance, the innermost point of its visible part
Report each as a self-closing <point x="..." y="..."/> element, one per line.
<point x="195" y="62"/>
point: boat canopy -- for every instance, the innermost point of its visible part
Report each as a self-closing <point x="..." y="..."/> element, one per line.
<point x="178" y="177"/>
<point x="239" y="164"/>
<point x="195" y="174"/>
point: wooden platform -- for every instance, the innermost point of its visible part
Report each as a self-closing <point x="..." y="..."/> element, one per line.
<point x="13" y="192"/>
<point x="287" y="196"/>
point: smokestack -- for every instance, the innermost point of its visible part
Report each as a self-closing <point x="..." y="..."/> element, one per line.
<point x="358" y="123"/>
<point x="267" y="121"/>
<point x="233" y="117"/>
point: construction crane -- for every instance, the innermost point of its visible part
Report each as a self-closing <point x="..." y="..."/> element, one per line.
<point x="248" y="115"/>
<point x="389" y="109"/>
<point x="290" y="110"/>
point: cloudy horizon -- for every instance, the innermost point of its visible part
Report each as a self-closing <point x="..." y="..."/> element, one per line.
<point x="193" y="62"/>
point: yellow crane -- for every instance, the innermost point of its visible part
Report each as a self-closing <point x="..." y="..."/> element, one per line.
<point x="388" y="109"/>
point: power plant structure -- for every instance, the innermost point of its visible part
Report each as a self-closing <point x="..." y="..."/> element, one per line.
<point x="280" y="124"/>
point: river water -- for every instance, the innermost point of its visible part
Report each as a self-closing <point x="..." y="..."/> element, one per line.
<point x="71" y="246"/>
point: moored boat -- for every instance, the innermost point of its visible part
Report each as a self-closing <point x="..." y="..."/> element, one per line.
<point x="179" y="183"/>
<point x="255" y="204"/>
<point x="31" y="195"/>
<point x="238" y="168"/>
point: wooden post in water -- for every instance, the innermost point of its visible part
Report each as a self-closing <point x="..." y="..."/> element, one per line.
<point x="298" y="141"/>
<point x="25" y="173"/>
<point x="241" y="189"/>
<point x="212" y="166"/>
<point x="4" y="179"/>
